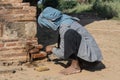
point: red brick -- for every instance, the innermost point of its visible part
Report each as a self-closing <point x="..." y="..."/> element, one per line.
<point x="1" y="30"/>
<point x="19" y="17"/>
<point x="9" y="40"/>
<point x="4" y="49"/>
<point x="14" y="55"/>
<point x="32" y="42"/>
<point x="18" y="48"/>
<point x="10" y="44"/>
<point x="39" y="55"/>
<point x="31" y="8"/>
<point x="15" y="1"/>
<point x="16" y="11"/>
<point x="1" y="45"/>
<point x="20" y="4"/>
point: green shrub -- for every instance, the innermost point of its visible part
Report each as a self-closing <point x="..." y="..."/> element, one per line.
<point x="67" y="4"/>
<point x="107" y="9"/>
<point x="80" y="8"/>
<point x="91" y="1"/>
<point x="110" y="0"/>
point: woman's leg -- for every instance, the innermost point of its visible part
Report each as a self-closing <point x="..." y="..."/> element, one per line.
<point x="71" y="44"/>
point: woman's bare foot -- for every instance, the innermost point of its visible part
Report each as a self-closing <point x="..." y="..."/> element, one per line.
<point x="73" y="69"/>
<point x="70" y="70"/>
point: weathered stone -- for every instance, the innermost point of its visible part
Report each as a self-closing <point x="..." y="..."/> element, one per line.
<point x="20" y="30"/>
<point x="30" y="29"/>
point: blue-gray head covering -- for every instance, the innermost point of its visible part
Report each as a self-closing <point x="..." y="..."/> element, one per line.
<point x="53" y="18"/>
<point x="40" y="2"/>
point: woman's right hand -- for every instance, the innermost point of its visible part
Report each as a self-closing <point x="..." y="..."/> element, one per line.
<point x="49" y="49"/>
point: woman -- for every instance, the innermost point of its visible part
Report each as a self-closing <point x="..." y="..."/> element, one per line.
<point x="76" y="43"/>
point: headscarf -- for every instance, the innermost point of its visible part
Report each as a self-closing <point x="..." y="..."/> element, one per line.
<point x="53" y="18"/>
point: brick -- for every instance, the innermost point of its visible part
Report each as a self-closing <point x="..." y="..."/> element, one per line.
<point x="19" y="17"/>
<point x="39" y="55"/>
<point x="1" y="29"/>
<point x="1" y="45"/>
<point x="14" y="4"/>
<point x="9" y="6"/>
<point x="3" y="49"/>
<point x="16" y="11"/>
<point x="9" y="40"/>
<point x="9" y="1"/>
<point x="13" y="56"/>
<point x="20" y="4"/>
<point x="13" y="49"/>
<point x="31" y="8"/>
<point x="31" y="42"/>
<point x="10" y="44"/>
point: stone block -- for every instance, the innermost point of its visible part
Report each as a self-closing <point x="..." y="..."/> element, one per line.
<point x="15" y="30"/>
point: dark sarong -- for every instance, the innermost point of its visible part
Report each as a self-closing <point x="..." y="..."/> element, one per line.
<point x="71" y="43"/>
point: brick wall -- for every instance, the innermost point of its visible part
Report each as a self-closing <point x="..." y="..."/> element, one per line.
<point x="17" y="27"/>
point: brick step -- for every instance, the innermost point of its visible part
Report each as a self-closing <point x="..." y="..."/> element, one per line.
<point x="14" y="4"/>
<point x="15" y="44"/>
<point x="18" y="17"/>
<point x="10" y="1"/>
<point x="17" y="11"/>
<point x="20" y="56"/>
<point x="17" y="6"/>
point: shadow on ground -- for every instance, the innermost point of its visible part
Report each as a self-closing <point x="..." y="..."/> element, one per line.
<point x="90" y="66"/>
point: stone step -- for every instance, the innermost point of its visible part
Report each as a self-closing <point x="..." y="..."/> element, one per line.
<point x="10" y="1"/>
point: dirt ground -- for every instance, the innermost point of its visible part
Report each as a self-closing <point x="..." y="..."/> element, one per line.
<point x="106" y="34"/>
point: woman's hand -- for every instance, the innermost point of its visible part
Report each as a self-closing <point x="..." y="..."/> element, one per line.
<point x="49" y="48"/>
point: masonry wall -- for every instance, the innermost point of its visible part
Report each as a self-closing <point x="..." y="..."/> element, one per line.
<point x="17" y="27"/>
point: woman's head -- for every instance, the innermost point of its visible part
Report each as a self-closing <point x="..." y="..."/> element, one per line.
<point x="53" y="18"/>
<point x="49" y="16"/>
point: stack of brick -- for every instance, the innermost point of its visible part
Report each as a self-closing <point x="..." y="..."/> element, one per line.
<point x="17" y="27"/>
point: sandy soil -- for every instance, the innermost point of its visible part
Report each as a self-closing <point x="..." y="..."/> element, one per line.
<point x="107" y="35"/>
